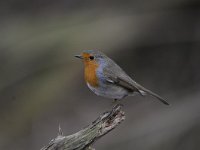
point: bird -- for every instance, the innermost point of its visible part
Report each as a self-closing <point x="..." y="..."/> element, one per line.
<point x="107" y="79"/>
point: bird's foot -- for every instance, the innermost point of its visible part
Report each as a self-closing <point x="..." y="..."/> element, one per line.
<point x="115" y="102"/>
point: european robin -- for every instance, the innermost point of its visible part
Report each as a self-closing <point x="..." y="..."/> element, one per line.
<point x="105" y="78"/>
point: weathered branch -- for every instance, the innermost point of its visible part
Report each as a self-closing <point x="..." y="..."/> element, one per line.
<point x="83" y="139"/>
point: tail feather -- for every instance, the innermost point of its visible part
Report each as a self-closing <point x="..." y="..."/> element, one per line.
<point x="143" y="91"/>
<point x="155" y="95"/>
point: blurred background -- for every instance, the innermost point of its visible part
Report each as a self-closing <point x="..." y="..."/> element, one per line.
<point x="41" y="83"/>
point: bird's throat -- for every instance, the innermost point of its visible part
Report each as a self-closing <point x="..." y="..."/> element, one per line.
<point x="90" y="73"/>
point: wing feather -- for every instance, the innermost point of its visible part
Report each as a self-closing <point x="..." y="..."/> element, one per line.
<point x="115" y="75"/>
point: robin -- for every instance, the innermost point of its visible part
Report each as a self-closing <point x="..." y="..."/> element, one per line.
<point x="105" y="78"/>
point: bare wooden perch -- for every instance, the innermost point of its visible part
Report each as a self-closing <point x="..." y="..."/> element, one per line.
<point x="83" y="139"/>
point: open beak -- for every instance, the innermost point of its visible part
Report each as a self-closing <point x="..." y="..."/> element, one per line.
<point x="79" y="56"/>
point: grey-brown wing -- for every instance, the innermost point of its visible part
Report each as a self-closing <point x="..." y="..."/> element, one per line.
<point x="119" y="77"/>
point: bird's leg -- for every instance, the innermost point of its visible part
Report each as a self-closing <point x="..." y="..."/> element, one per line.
<point x="115" y="102"/>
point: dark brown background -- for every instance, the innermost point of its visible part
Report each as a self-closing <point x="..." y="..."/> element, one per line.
<point x="41" y="83"/>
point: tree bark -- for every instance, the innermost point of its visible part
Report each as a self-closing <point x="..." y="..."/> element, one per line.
<point x="83" y="139"/>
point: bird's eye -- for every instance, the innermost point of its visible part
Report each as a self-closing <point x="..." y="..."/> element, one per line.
<point x="91" y="57"/>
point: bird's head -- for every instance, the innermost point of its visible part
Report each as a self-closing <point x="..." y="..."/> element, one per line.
<point x="90" y="57"/>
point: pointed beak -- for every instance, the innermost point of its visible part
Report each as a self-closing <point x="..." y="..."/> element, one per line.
<point x="79" y="56"/>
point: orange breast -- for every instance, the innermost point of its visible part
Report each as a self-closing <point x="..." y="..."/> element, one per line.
<point x="90" y="73"/>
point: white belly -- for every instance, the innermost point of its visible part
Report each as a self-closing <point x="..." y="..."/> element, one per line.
<point x="111" y="91"/>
